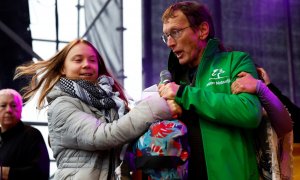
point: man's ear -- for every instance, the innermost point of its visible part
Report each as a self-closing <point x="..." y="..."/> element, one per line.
<point x="203" y="30"/>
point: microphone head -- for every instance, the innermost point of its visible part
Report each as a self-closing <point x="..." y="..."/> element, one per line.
<point x="165" y="76"/>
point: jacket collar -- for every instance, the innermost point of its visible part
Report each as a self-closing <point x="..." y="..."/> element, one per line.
<point x="211" y="48"/>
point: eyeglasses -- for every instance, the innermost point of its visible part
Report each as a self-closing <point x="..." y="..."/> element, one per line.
<point x="175" y="34"/>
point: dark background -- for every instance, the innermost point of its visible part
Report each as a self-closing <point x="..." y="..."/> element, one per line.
<point x="14" y="14"/>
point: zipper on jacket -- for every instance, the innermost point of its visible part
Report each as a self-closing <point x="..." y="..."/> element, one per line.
<point x="111" y="164"/>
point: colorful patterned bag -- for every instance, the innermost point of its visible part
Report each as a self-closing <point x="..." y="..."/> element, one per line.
<point x="163" y="151"/>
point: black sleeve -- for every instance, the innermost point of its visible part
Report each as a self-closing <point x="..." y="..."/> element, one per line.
<point x="38" y="162"/>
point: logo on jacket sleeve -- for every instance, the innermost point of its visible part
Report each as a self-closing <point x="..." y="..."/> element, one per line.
<point x="218" y="77"/>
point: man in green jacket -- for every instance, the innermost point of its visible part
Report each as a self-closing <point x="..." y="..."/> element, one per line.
<point x="220" y="124"/>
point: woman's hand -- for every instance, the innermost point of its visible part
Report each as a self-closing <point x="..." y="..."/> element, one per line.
<point x="176" y="110"/>
<point x="245" y="83"/>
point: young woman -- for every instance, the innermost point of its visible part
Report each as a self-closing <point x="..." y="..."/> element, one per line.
<point x="85" y="130"/>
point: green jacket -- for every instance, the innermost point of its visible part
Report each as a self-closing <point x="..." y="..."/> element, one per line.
<point x="226" y="120"/>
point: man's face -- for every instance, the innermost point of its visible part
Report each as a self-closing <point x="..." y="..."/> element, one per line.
<point x="187" y="46"/>
<point x="10" y="111"/>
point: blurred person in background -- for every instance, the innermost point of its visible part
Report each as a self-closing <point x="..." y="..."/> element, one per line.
<point x="292" y="108"/>
<point x="23" y="152"/>
<point x="274" y="148"/>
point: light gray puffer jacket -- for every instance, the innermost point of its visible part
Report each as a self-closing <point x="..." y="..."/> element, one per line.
<point x="85" y="144"/>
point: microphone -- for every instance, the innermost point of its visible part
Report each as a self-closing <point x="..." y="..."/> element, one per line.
<point x="165" y="77"/>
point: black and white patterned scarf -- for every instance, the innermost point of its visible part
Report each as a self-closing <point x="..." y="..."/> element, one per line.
<point x="88" y="92"/>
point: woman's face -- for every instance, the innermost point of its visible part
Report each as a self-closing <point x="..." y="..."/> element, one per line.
<point x="81" y="63"/>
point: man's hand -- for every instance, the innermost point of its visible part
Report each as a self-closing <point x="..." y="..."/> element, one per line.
<point x="168" y="91"/>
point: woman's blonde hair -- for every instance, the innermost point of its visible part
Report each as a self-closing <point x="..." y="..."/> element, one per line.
<point x="45" y="74"/>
